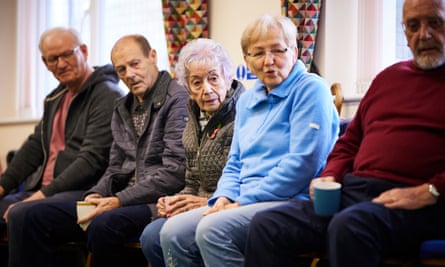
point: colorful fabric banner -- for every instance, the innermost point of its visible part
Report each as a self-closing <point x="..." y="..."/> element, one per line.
<point x="184" y="20"/>
<point x="306" y="15"/>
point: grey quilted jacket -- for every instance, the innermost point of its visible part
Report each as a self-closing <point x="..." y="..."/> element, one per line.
<point x="206" y="154"/>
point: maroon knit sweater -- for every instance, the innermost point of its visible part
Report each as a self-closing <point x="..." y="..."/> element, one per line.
<point x="398" y="132"/>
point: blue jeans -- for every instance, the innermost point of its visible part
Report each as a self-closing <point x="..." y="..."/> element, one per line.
<point x="151" y="243"/>
<point x="218" y="239"/>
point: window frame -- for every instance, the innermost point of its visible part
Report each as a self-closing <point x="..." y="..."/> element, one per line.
<point x="34" y="81"/>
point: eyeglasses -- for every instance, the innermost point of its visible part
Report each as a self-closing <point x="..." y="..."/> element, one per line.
<point x="261" y="54"/>
<point x="53" y="60"/>
<point x="196" y="83"/>
<point x="413" y="25"/>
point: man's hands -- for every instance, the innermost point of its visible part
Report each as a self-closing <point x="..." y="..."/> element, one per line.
<point x="36" y="196"/>
<point x="103" y="204"/>
<point x="317" y="180"/>
<point x="409" y="198"/>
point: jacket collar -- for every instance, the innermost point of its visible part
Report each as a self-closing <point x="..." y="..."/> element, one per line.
<point x="157" y="96"/>
<point x="279" y="92"/>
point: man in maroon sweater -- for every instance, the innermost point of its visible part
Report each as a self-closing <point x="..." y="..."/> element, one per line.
<point x="390" y="161"/>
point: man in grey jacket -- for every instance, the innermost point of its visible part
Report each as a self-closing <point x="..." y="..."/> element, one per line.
<point x="69" y="148"/>
<point x="147" y="161"/>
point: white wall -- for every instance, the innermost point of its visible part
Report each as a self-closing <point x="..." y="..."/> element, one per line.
<point x="337" y="43"/>
<point x="7" y="55"/>
<point x="13" y="135"/>
<point x="337" y="48"/>
<point x="228" y="18"/>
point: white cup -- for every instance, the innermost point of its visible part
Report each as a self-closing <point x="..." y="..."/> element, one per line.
<point x="83" y="209"/>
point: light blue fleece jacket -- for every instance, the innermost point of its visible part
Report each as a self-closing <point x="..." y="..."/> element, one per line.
<point x="281" y="140"/>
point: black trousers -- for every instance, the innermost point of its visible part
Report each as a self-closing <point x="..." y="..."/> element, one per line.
<point x="360" y="234"/>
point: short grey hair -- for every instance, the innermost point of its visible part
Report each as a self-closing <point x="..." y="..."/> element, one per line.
<point x="60" y="30"/>
<point x="266" y="23"/>
<point x="203" y="50"/>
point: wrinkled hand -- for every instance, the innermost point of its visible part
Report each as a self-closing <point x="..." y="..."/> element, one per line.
<point x="409" y="198"/>
<point x="179" y="204"/>
<point x="160" y="206"/>
<point x="221" y="203"/>
<point x="91" y="196"/>
<point x="103" y="204"/>
<point x="317" y="180"/>
<point x="36" y="196"/>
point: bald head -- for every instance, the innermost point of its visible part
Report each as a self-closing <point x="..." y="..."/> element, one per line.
<point x="140" y="40"/>
<point x="409" y="4"/>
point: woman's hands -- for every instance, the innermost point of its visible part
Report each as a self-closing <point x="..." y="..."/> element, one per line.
<point x="222" y="203"/>
<point x="178" y="204"/>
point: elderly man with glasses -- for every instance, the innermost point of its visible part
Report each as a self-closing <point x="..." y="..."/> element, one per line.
<point x="69" y="148"/>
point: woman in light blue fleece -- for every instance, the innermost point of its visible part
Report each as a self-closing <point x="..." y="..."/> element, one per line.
<point x="285" y="127"/>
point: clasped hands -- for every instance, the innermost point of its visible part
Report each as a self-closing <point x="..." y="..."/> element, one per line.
<point x="178" y="204"/>
<point x="183" y="203"/>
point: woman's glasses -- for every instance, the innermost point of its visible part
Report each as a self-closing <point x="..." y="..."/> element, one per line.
<point x="259" y="55"/>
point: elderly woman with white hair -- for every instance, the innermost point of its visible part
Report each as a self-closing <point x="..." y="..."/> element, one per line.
<point x="205" y="69"/>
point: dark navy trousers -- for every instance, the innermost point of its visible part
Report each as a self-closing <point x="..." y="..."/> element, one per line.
<point x="49" y="225"/>
<point x="360" y="234"/>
